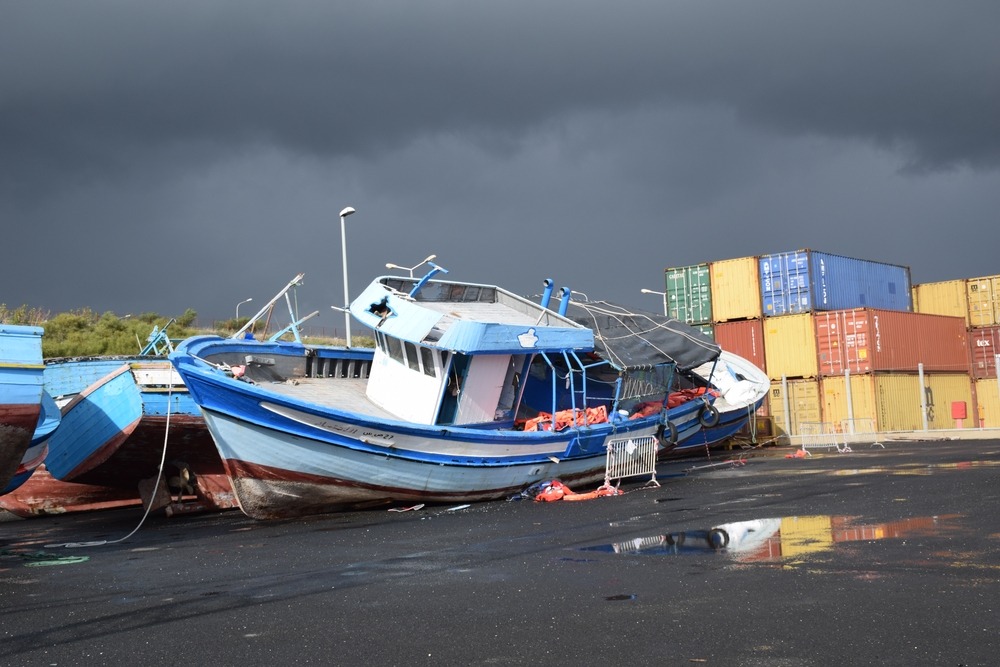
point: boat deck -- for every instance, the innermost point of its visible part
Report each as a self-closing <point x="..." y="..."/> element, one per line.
<point x="347" y="394"/>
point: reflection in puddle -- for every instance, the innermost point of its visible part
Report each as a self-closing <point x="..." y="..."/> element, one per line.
<point x="902" y="469"/>
<point x="770" y="540"/>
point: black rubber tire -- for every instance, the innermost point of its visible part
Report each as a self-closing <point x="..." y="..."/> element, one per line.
<point x="718" y="538"/>
<point x="709" y="416"/>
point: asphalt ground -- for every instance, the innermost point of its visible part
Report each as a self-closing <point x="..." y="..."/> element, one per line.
<point x="882" y="558"/>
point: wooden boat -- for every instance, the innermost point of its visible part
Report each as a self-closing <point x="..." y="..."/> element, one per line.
<point x="20" y="395"/>
<point x="42" y="494"/>
<point x="48" y="420"/>
<point x="113" y="431"/>
<point x="472" y="393"/>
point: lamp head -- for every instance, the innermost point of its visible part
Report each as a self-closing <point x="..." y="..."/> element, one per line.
<point x="346" y="212"/>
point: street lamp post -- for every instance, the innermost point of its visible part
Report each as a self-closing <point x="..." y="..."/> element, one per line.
<point x="663" y="294"/>
<point x="343" y="247"/>
<point x="410" y="269"/>
<point x="238" y="309"/>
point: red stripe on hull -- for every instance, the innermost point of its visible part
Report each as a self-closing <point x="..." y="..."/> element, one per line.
<point x="17" y="425"/>
<point x="44" y="494"/>
<point x="270" y="493"/>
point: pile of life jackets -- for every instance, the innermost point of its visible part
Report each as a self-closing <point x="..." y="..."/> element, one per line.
<point x="564" y="419"/>
<point x="556" y="490"/>
<point x="650" y="408"/>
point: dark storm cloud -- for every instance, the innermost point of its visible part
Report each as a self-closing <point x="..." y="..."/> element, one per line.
<point x="93" y="88"/>
<point x="161" y="156"/>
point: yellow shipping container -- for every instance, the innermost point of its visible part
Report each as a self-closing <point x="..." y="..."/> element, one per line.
<point x="984" y="301"/>
<point x="735" y="289"/>
<point x="945" y="298"/>
<point x="988" y="398"/>
<point x="893" y="400"/>
<point x="833" y="397"/>
<point x="790" y="346"/>
<point x="803" y="405"/>
<point x="943" y="389"/>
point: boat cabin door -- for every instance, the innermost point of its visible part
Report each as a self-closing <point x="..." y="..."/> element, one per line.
<point x="481" y="389"/>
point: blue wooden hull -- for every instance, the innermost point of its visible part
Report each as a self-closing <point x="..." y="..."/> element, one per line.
<point x="20" y="395"/>
<point x="286" y="457"/>
<point x="48" y="420"/>
<point x="730" y="423"/>
<point x="113" y="429"/>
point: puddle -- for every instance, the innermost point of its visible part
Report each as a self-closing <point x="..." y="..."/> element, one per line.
<point x="777" y="539"/>
<point x="616" y="598"/>
<point x="918" y="469"/>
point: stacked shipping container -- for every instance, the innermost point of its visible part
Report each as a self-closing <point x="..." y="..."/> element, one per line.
<point x="689" y="298"/>
<point x="809" y="317"/>
<point x="977" y="300"/>
<point x="803" y="281"/>
<point x="865" y="340"/>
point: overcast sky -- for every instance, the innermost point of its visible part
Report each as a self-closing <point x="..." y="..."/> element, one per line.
<point x="164" y="156"/>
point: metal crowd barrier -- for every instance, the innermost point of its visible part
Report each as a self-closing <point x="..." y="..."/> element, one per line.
<point x="631" y="457"/>
<point x="820" y="435"/>
<point x="860" y="430"/>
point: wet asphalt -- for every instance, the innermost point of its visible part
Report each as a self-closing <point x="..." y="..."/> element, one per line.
<point x="883" y="558"/>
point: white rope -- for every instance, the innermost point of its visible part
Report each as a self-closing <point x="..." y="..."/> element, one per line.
<point x="159" y="474"/>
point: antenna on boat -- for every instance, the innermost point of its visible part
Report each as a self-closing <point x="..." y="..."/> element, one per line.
<point x="297" y="280"/>
<point x="435" y="269"/>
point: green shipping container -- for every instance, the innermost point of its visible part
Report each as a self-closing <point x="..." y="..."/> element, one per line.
<point x="707" y="329"/>
<point x="689" y="294"/>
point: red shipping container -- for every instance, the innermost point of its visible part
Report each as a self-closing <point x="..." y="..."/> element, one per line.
<point x="744" y="338"/>
<point x="864" y="340"/>
<point x="985" y="345"/>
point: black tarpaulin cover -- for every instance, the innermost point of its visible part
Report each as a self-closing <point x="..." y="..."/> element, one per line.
<point x="634" y="339"/>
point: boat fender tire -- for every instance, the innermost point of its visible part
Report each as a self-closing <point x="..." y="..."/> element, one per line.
<point x="667" y="435"/>
<point x="709" y="415"/>
<point x="718" y="538"/>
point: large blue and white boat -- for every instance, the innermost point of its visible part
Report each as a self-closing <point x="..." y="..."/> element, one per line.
<point x="472" y="393"/>
<point x="20" y="395"/>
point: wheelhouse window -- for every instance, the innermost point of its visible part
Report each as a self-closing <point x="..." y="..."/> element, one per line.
<point x="395" y="349"/>
<point x="411" y="356"/>
<point x="427" y="357"/>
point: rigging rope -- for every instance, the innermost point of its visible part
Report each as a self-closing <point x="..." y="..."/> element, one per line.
<point x="159" y="474"/>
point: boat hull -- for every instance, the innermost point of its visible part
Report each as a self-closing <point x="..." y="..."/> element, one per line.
<point x="287" y="458"/>
<point x="730" y="423"/>
<point x="20" y="394"/>
<point x="41" y="494"/>
<point x="275" y="474"/>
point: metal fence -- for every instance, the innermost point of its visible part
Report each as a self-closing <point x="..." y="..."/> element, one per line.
<point x="861" y="430"/>
<point x="820" y="435"/>
<point x="631" y="457"/>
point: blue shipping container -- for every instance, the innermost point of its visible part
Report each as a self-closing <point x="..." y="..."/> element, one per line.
<point x="804" y="281"/>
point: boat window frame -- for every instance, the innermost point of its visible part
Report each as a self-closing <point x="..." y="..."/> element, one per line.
<point x="411" y="350"/>
<point x="399" y="345"/>
<point x="427" y="361"/>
